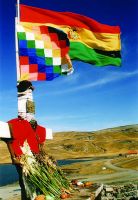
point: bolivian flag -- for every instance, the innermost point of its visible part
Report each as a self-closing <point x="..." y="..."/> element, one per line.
<point x="90" y="41"/>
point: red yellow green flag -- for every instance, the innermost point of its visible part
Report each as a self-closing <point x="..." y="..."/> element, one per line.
<point x="90" y="41"/>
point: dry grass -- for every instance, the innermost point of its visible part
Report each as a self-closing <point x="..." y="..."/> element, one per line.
<point x="129" y="162"/>
<point x="87" y="169"/>
<point x="86" y="144"/>
<point x="67" y="145"/>
<point x="4" y="153"/>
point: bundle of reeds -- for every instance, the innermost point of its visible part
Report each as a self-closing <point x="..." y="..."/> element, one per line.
<point x="42" y="175"/>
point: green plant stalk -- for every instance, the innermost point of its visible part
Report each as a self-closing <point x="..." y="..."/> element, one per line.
<point x="53" y="179"/>
<point x="37" y="182"/>
<point x="47" y="184"/>
<point x="62" y="181"/>
<point x="38" y="185"/>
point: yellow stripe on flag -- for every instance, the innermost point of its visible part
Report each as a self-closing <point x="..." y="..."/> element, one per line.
<point x="101" y="41"/>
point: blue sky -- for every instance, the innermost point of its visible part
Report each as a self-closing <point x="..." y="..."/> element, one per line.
<point x="92" y="98"/>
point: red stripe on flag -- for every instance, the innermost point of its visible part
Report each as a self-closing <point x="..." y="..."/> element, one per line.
<point x="39" y="15"/>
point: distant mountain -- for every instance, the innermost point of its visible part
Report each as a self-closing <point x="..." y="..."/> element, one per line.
<point x="109" y="141"/>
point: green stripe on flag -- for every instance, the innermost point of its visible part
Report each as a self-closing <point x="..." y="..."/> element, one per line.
<point x="79" y="51"/>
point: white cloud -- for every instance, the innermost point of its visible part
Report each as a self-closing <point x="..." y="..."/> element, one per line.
<point x="112" y="77"/>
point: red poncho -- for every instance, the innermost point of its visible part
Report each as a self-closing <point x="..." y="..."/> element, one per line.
<point x="21" y="131"/>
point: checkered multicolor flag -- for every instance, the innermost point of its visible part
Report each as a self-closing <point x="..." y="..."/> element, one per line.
<point x="43" y="52"/>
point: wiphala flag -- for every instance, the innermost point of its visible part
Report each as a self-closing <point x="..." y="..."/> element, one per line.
<point x="43" y="52"/>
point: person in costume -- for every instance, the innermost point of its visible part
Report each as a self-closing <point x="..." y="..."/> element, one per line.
<point x="24" y="129"/>
<point x="38" y="172"/>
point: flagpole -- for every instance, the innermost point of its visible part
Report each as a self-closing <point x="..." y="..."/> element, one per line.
<point x="18" y="11"/>
<point x="17" y="20"/>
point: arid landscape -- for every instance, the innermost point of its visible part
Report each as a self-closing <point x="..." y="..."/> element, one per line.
<point x="107" y="156"/>
<point x="113" y="141"/>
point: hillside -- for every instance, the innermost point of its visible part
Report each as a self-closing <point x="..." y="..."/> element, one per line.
<point x="85" y="144"/>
